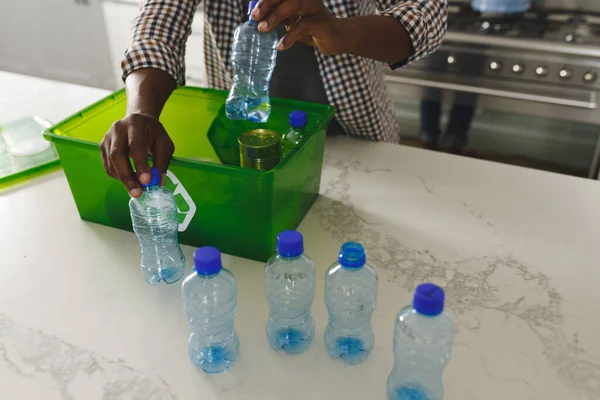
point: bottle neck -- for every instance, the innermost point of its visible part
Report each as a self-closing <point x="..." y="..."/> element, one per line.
<point x="211" y="276"/>
<point x="287" y="258"/>
<point x="352" y="269"/>
<point x="150" y="188"/>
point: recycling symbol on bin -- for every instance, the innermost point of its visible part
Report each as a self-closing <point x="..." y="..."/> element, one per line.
<point x="186" y="208"/>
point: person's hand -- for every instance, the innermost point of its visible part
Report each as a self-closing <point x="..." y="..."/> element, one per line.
<point x="307" y="21"/>
<point x="136" y="136"/>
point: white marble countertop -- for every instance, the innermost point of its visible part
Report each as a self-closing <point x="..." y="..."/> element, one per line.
<point x="516" y="250"/>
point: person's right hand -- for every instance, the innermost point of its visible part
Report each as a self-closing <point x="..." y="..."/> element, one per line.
<point x="136" y="136"/>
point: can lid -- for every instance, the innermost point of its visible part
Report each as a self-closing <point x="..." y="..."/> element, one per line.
<point x="429" y="299"/>
<point x="260" y="143"/>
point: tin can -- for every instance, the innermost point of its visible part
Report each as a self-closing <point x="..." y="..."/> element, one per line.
<point x="260" y="149"/>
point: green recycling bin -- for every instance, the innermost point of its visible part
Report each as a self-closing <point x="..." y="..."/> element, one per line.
<point x="238" y="210"/>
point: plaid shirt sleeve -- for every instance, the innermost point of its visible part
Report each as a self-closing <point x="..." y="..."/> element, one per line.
<point x="158" y="37"/>
<point x="424" y="20"/>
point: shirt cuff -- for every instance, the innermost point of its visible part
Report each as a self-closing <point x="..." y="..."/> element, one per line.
<point x="151" y="53"/>
<point x="425" y="32"/>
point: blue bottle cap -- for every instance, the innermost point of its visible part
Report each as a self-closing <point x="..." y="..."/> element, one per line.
<point x="207" y="261"/>
<point x="352" y="255"/>
<point x="154" y="179"/>
<point x="298" y="119"/>
<point x="251" y="6"/>
<point x="429" y="299"/>
<point x="290" y="244"/>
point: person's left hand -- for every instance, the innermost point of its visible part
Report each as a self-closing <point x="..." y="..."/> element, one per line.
<point x="307" y="21"/>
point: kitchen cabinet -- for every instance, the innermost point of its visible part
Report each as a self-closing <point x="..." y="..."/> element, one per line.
<point x="118" y="17"/>
<point x="60" y="39"/>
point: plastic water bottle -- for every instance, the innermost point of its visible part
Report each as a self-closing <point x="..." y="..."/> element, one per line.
<point x="210" y="304"/>
<point x="155" y="222"/>
<point x="423" y="340"/>
<point x="253" y="57"/>
<point x="350" y="297"/>
<point x="295" y="134"/>
<point x="290" y="278"/>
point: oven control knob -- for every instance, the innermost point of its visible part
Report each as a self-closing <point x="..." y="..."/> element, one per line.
<point x="590" y="77"/>
<point x="542" y="71"/>
<point x="565" y="74"/>
<point x="496" y="66"/>
<point x="518" y="68"/>
<point x="452" y="59"/>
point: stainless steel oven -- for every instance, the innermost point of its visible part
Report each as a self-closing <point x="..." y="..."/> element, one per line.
<point x="533" y="79"/>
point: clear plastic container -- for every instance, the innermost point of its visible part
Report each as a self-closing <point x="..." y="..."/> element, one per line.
<point x="350" y="297"/>
<point x="210" y="304"/>
<point x="26" y="139"/>
<point x="155" y="222"/>
<point x="290" y="281"/>
<point x="18" y="168"/>
<point x="423" y="339"/>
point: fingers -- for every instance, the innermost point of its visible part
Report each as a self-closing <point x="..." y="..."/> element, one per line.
<point x="135" y="136"/>
<point x="162" y="151"/>
<point x="275" y="12"/>
<point x="300" y="31"/>
<point x="106" y="163"/>
<point x="138" y="150"/>
<point x="263" y="8"/>
<point x="119" y="157"/>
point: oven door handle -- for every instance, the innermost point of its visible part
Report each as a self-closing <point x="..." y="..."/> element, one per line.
<point x="588" y="105"/>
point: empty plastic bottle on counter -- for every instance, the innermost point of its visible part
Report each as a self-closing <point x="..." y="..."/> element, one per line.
<point x="423" y="339"/>
<point x="210" y="304"/>
<point x="294" y="135"/>
<point x="155" y="222"/>
<point x="350" y="297"/>
<point x="253" y="56"/>
<point x="290" y="279"/>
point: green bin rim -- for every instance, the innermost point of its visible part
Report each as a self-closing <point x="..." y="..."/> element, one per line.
<point x="96" y="108"/>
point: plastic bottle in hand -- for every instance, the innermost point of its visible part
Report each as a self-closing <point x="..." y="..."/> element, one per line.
<point x="253" y="57"/>
<point x="155" y="222"/>
<point x="295" y="134"/>
<point x="423" y="339"/>
<point x="350" y="297"/>
<point x="210" y="304"/>
<point x="290" y="279"/>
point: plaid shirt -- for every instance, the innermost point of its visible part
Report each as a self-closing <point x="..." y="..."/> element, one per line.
<point x="355" y="86"/>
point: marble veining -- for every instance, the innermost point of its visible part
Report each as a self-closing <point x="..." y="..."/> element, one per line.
<point x="75" y="373"/>
<point x="476" y="215"/>
<point x="473" y="285"/>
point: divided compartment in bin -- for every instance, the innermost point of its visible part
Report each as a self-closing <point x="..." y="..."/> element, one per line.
<point x="240" y="211"/>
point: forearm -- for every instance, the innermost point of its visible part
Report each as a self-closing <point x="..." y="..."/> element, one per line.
<point x="147" y="91"/>
<point x="378" y="37"/>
